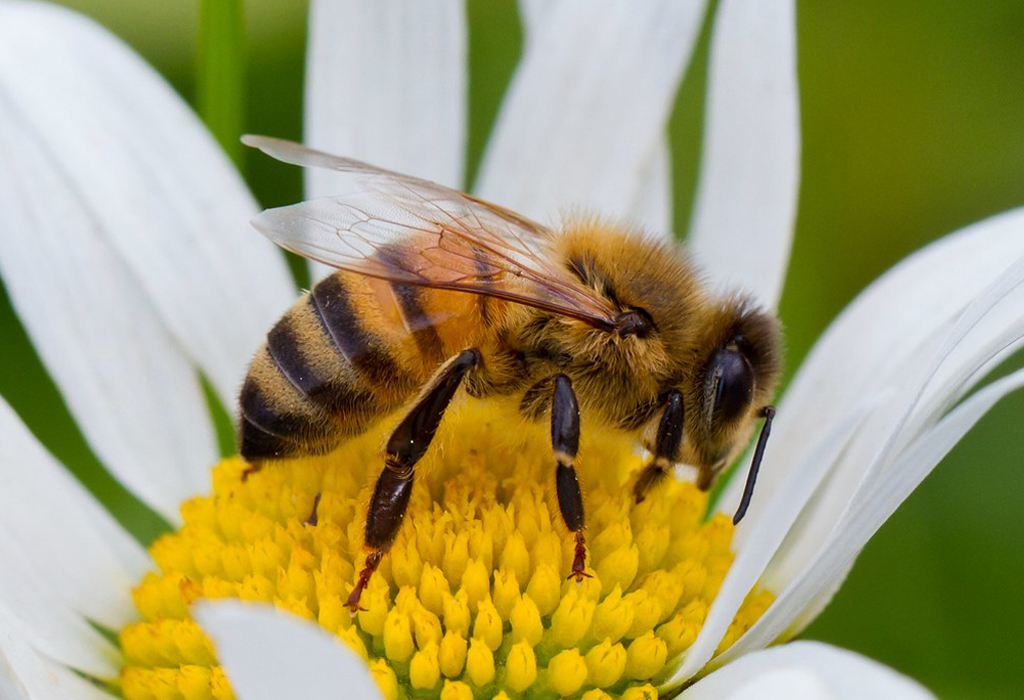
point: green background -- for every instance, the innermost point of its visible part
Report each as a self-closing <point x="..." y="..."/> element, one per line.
<point x="913" y="126"/>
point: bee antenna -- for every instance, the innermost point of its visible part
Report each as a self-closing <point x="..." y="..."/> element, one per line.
<point x="768" y="412"/>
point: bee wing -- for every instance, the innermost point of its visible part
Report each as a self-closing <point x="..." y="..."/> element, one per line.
<point x="413" y="231"/>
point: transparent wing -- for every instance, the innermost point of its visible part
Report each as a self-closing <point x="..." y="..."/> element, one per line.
<point x="404" y="229"/>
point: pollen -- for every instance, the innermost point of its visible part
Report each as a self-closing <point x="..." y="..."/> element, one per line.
<point x="473" y="600"/>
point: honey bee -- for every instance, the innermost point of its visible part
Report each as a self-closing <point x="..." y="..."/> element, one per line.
<point x="437" y="290"/>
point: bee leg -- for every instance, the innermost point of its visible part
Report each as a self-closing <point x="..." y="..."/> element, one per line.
<point x="407" y="444"/>
<point x="565" y="440"/>
<point x="666" y="446"/>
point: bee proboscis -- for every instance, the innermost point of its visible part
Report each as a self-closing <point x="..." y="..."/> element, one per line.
<point x="436" y="290"/>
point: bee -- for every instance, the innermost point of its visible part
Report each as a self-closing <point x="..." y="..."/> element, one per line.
<point x="436" y="290"/>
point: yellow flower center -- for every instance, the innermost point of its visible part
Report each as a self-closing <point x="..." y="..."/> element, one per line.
<point x="472" y="601"/>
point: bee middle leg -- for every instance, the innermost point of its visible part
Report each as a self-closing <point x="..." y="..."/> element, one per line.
<point x="407" y="444"/>
<point x="666" y="446"/>
<point x="565" y="441"/>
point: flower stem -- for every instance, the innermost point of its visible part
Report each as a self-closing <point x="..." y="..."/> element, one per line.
<point x="220" y="72"/>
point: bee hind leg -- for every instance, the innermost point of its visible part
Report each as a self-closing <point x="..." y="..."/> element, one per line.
<point x="565" y="441"/>
<point x="666" y="446"/>
<point x="407" y="444"/>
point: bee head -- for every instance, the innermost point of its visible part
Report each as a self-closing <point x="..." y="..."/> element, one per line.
<point x="732" y="382"/>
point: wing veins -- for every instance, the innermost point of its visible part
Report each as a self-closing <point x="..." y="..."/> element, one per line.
<point x="395" y="227"/>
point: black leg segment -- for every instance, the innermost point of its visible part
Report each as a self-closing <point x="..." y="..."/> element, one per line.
<point x="565" y="420"/>
<point x="410" y="440"/>
<point x="570" y="500"/>
<point x="666" y="445"/>
<point x="387" y="507"/>
<point x="565" y="441"/>
<point x="406" y="446"/>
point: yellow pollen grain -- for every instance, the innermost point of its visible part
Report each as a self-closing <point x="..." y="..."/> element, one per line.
<point x="472" y="601"/>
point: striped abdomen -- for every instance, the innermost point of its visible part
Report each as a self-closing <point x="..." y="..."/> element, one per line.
<point x="349" y="352"/>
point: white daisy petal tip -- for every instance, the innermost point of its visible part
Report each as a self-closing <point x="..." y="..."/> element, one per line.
<point x="162" y="198"/>
<point x="744" y="215"/>
<point x="805" y="671"/>
<point x="249" y="638"/>
<point x="606" y="74"/>
<point x="388" y="84"/>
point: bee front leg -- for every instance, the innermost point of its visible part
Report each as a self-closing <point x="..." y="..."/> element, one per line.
<point x="666" y="446"/>
<point x="565" y="440"/>
<point x="407" y="444"/>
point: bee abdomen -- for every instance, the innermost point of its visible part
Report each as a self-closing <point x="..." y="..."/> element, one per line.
<point x="311" y="364"/>
<point x="279" y="419"/>
<point x="269" y="429"/>
<point x="339" y="319"/>
<point x="322" y="377"/>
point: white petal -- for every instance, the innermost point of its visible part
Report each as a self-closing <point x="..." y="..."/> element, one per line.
<point x="910" y="336"/>
<point x="924" y="374"/>
<point x="835" y="555"/>
<point x="750" y="172"/>
<point x="532" y="13"/>
<point x="772" y="684"/>
<point x="149" y="178"/>
<point x="269" y="654"/>
<point x="652" y="209"/>
<point x="845" y="476"/>
<point x="805" y="670"/>
<point x="880" y="336"/>
<point x="60" y="528"/>
<point x="939" y="375"/>
<point x="990" y="326"/>
<point x="386" y="83"/>
<point x="27" y="675"/>
<point x="46" y="622"/>
<point x="766" y="526"/>
<point x="817" y="604"/>
<point x="133" y="393"/>
<point x="587" y="107"/>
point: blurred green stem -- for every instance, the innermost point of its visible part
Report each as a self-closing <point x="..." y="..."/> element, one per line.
<point x="220" y="72"/>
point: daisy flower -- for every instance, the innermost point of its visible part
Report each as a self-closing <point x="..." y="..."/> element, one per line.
<point x="125" y="249"/>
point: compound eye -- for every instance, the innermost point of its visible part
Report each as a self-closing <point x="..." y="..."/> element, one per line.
<point x="732" y="381"/>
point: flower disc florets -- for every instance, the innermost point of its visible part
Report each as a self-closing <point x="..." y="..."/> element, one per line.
<point x="472" y="600"/>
